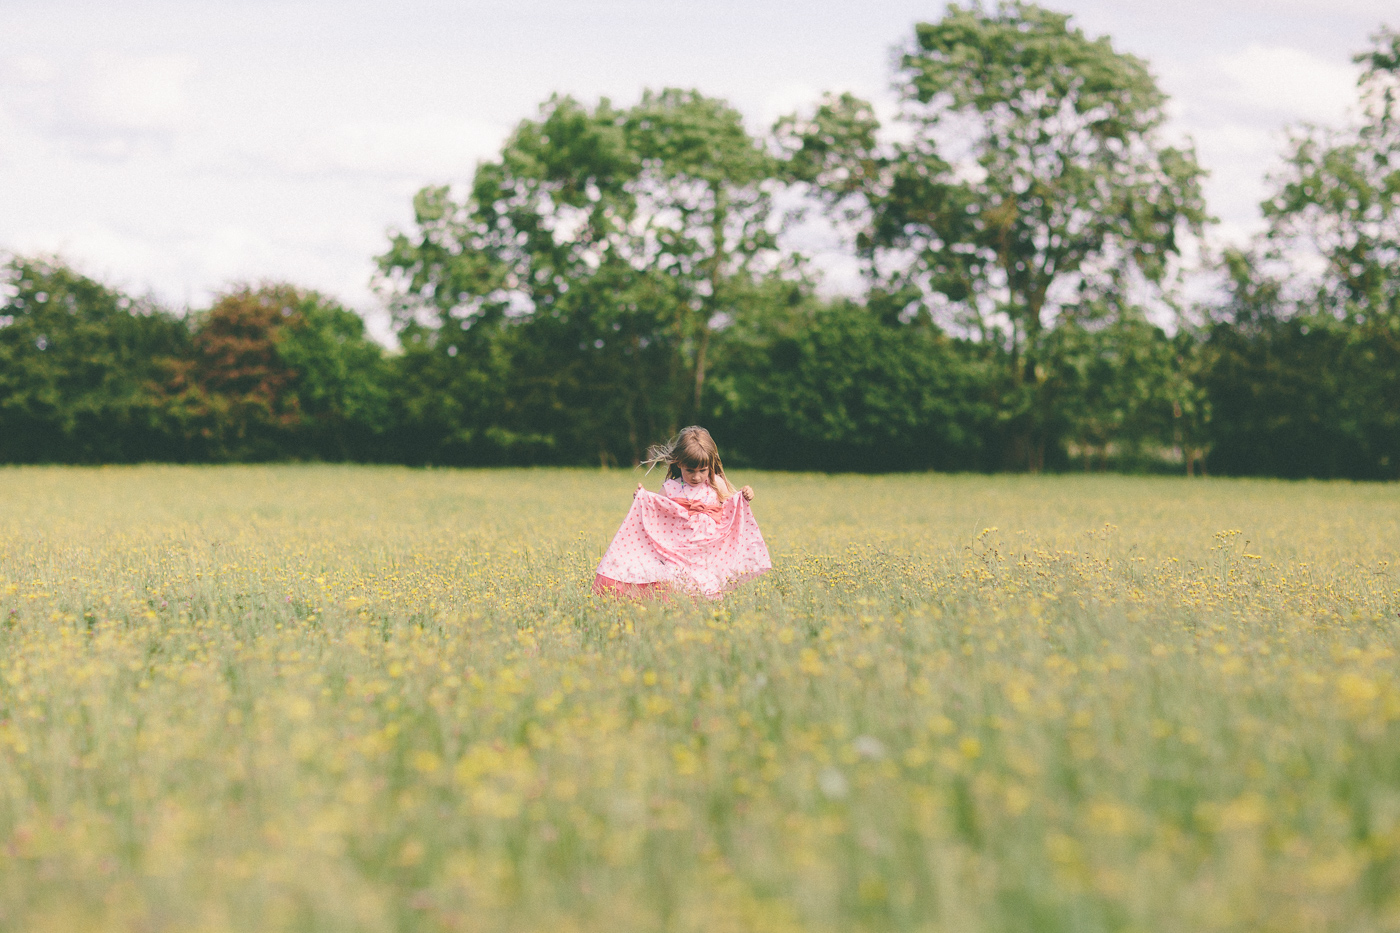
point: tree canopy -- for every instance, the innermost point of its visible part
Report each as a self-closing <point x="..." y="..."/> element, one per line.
<point x="615" y="271"/>
<point x="629" y="234"/>
<point x="1033" y="186"/>
<point x="1338" y="199"/>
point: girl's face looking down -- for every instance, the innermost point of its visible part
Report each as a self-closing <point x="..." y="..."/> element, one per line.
<point x="694" y="476"/>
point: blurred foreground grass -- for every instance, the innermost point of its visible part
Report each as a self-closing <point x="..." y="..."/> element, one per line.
<point x="360" y="699"/>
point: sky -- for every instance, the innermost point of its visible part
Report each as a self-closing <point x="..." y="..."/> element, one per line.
<point x="178" y="147"/>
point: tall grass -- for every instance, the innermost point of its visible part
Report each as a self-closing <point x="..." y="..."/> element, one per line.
<point x="352" y="699"/>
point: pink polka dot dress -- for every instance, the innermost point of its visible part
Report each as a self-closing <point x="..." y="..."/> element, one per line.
<point x="683" y="539"/>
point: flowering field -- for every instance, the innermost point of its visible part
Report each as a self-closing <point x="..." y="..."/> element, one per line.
<point x="359" y="699"/>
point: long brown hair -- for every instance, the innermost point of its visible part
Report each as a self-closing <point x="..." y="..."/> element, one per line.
<point x="694" y="448"/>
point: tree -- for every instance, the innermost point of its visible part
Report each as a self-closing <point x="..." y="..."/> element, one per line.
<point x="707" y="196"/>
<point x="1275" y="397"/>
<point x="342" y="383"/>
<point x="828" y="386"/>
<point x="277" y="371"/>
<point x="1338" y="199"/>
<point x="600" y="252"/>
<point x="80" y="366"/>
<point x="1302" y="360"/>
<point x="450" y="403"/>
<point x="1122" y="390"/>
<point x="1033" y="187"/>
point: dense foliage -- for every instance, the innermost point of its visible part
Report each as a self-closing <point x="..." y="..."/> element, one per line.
<point x="1063" y="194"/>
<point x="618" y="272"/>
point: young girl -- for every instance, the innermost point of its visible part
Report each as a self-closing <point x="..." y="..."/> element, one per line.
<point x="698" y="536"/>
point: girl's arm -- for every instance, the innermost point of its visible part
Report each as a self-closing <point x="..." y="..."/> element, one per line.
<point x="746" y="492"/>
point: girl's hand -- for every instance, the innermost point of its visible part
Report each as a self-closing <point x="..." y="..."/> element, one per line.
<point x="638" y="492"/>
<point x="747" y="493"/>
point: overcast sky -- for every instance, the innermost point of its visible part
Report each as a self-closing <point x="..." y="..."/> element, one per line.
<point x="178" y="146"/>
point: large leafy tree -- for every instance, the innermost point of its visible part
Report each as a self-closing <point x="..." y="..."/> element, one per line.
<point x="706" y="196"/>
<point x="1032" y="186"/>
<point x="1303" y="356"/>
<point x="599" y="252"/>
<point x="80" y="367"/>
<point x="274" y="371"/>
<point x="1338" y="199"/>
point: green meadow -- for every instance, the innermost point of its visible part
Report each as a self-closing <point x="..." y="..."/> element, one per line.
<point x="314" y="698"/>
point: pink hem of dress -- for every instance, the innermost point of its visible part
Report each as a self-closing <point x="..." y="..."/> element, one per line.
<point x="607" y="586"/>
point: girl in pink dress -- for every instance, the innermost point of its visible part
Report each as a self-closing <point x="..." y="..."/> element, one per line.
<point x="698" y="536"/>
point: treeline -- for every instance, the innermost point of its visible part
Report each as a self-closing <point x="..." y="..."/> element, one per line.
<point x="617" y="272"/>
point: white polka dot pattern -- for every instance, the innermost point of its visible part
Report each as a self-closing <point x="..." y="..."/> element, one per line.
<point x="661" y="541"/>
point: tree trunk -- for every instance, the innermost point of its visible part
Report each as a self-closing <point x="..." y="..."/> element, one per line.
<point x="711" y="307"/>
<point x="700" y="352"/>
<point x="1035" y="448"/>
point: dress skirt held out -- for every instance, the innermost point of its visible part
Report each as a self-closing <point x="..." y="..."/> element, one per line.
<point x="683" y="539"/>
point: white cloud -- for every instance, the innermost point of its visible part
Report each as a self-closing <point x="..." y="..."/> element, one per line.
<point x="783" y="99"/>
<point x="1288" y="82"/>
<point x="1238" y="107"/>
<point x="32" y="69"/>
<point x="427" y="146"/>
<point x="1239" y="158"/>
<point x="147" y="93"/>
<point x="1259" y="85"/>
<point x="1375" y="10"/>
<point x="104" y="106"/>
